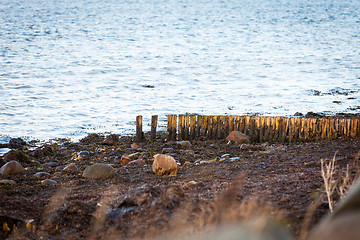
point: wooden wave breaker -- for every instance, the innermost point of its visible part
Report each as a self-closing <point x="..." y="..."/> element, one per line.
<point x="259" y="129"/>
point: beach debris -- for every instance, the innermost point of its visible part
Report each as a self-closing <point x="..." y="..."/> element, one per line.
<point x="12" y="168"/>
<point x="164" y="165"/>
<point x="99" y="171"/>
<point x="237" y="137"/>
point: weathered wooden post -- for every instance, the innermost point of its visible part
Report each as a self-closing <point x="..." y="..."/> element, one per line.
<point x="154" y="120"/>
<point x="139" y="133"/>
<point x="171" y="127"/>
<point x="186" y="127"/>
<point x="192" y="127"/>
<point x="198" y="126"/>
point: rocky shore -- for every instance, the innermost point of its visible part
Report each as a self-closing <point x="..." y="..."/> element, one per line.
<point x="109" y="186"/>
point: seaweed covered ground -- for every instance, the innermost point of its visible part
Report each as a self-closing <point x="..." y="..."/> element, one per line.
<point x="216" y="183"/>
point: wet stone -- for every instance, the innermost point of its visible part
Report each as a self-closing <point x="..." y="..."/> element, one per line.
<point x="41" y="174"/>
<point x="84" y="155"/>
<point x="48" y="182"/>
<point x="50" y="164"/>
<point x="99" y="171"/>
<point x="70" y="168"/>
<point x="125" y="159"/>
<point x="11" y="168"/>
<point x="140" y="162"/>
<point x="184" y="143"/>
<point x="7" y="181"/>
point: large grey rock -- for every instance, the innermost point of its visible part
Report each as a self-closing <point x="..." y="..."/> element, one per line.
<point x="99" y="171"/>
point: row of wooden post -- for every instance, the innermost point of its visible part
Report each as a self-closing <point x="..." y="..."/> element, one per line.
<point x="259" y="129"/>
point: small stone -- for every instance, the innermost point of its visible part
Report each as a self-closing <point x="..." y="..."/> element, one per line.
<point x="244" y="147"/>
<point x="99" y="171"/>
<point x="11" y="168"/>
<point x="57" y="174"/>
<point x="111" y="139"/>
<point x="70" y="168"/>
<point x="41" y="174"/>
<point x="7" y="181"/>
<point x="83" y="155"/>
<point x="164" y="165"/>
<point x="48" y="182"/>
<point x="51" y="164"/>
<point x="125" y="159"/>
<point x="167" y="150"/>
<point x="140" y="162"/>
<point x="135" y="146"/>
<point x="237" y="137"/>
<point x="184" y="143"/>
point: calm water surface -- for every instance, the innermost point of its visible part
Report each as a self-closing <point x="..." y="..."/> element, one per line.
<point x="68" y="68"/>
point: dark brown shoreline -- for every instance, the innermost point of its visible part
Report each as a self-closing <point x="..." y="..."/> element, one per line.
<point x="284" y="176"/>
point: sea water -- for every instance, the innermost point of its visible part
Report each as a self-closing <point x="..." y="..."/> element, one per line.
<point x="68" y="68"/>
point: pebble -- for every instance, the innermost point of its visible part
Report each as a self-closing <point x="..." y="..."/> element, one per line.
<point x="111" y="139"/>
<point x="57" y="174"/>
<point x="125" y="159"/>
<point x="7" y="181"/>
<point x="99" y="171"/>
<point x="237" y="137"/>
<point x="11" y="168"/>
<point x="70" y="168"/>
<point x="167" y="150"/>
<point x="48" y="182"/>
<point x="140" y="162"/>
<point x="41" y="174"/>
<point x="135" y="146"/>
<point x="51" y="164"/>
<point x="164" y="165"/>
<point x="244" y="147"/>
<point x="83" y="155"/>
<point x="184" y="143"/>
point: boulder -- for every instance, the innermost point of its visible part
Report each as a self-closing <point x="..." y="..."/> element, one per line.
<point x="237" y="137"/>
<point x="11" y="168"/>
<point x="164" y="165"/>
<point x="99" y="171"/>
